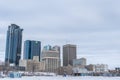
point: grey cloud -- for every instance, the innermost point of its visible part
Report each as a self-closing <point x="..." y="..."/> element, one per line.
<point x="91" y="24"/>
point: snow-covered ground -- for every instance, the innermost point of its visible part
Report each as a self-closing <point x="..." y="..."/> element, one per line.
<point x="62" y="78"/>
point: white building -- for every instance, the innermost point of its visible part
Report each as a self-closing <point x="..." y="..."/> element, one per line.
<point x="51" y="57"/>
<point x="100" y="68"/>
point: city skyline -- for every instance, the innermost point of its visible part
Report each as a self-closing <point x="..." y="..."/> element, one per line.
<point x="92" y="25"/>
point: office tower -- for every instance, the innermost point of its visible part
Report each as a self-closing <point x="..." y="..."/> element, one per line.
<point x="32" y="48"/>
<point x="57" y="48"/>
<point x="13" y="44"/>
<point x="69" y="53"/>
<point x="51" y="59"/>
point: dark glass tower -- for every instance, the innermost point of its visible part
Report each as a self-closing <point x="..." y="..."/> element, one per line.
<point x="13" y="44"/>
<point x="32" y="48"/>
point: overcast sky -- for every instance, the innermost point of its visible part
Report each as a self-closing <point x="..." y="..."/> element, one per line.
<point x="93" y="25"/>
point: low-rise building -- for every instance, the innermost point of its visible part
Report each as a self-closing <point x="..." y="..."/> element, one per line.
<point x="79" y="62"/>
<point x="81" y="71"/>
<point x="65" y="70"/>
<point x="32" y="65"/>
<point x="97" y="68"/>
<point x="100" y="68"/>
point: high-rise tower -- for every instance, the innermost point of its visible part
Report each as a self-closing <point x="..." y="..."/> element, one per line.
<point x="69" y="53"/>
<point x="32" y="48"/>
<point x="13" y="44"/>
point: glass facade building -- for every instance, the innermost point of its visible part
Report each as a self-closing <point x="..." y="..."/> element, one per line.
<point x="47" y="47"/>
<point x="32" y="48"/>
<point x="13" y="44"/>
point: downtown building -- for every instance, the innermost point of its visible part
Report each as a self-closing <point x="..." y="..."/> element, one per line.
<point x="31" y="57"/>
<point x="100" y="68"/>
<point x="13" y="44"/>
<point x="69" y="53"/>
<point x="31" y="48"/>
<point x="51" y="57"/>
<point x="79" y="62"/>
<point x="57" y="48"/>
<point x="32" y="65"/>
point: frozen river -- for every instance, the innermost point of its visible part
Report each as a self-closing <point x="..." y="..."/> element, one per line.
<point x="62" y="78"/>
